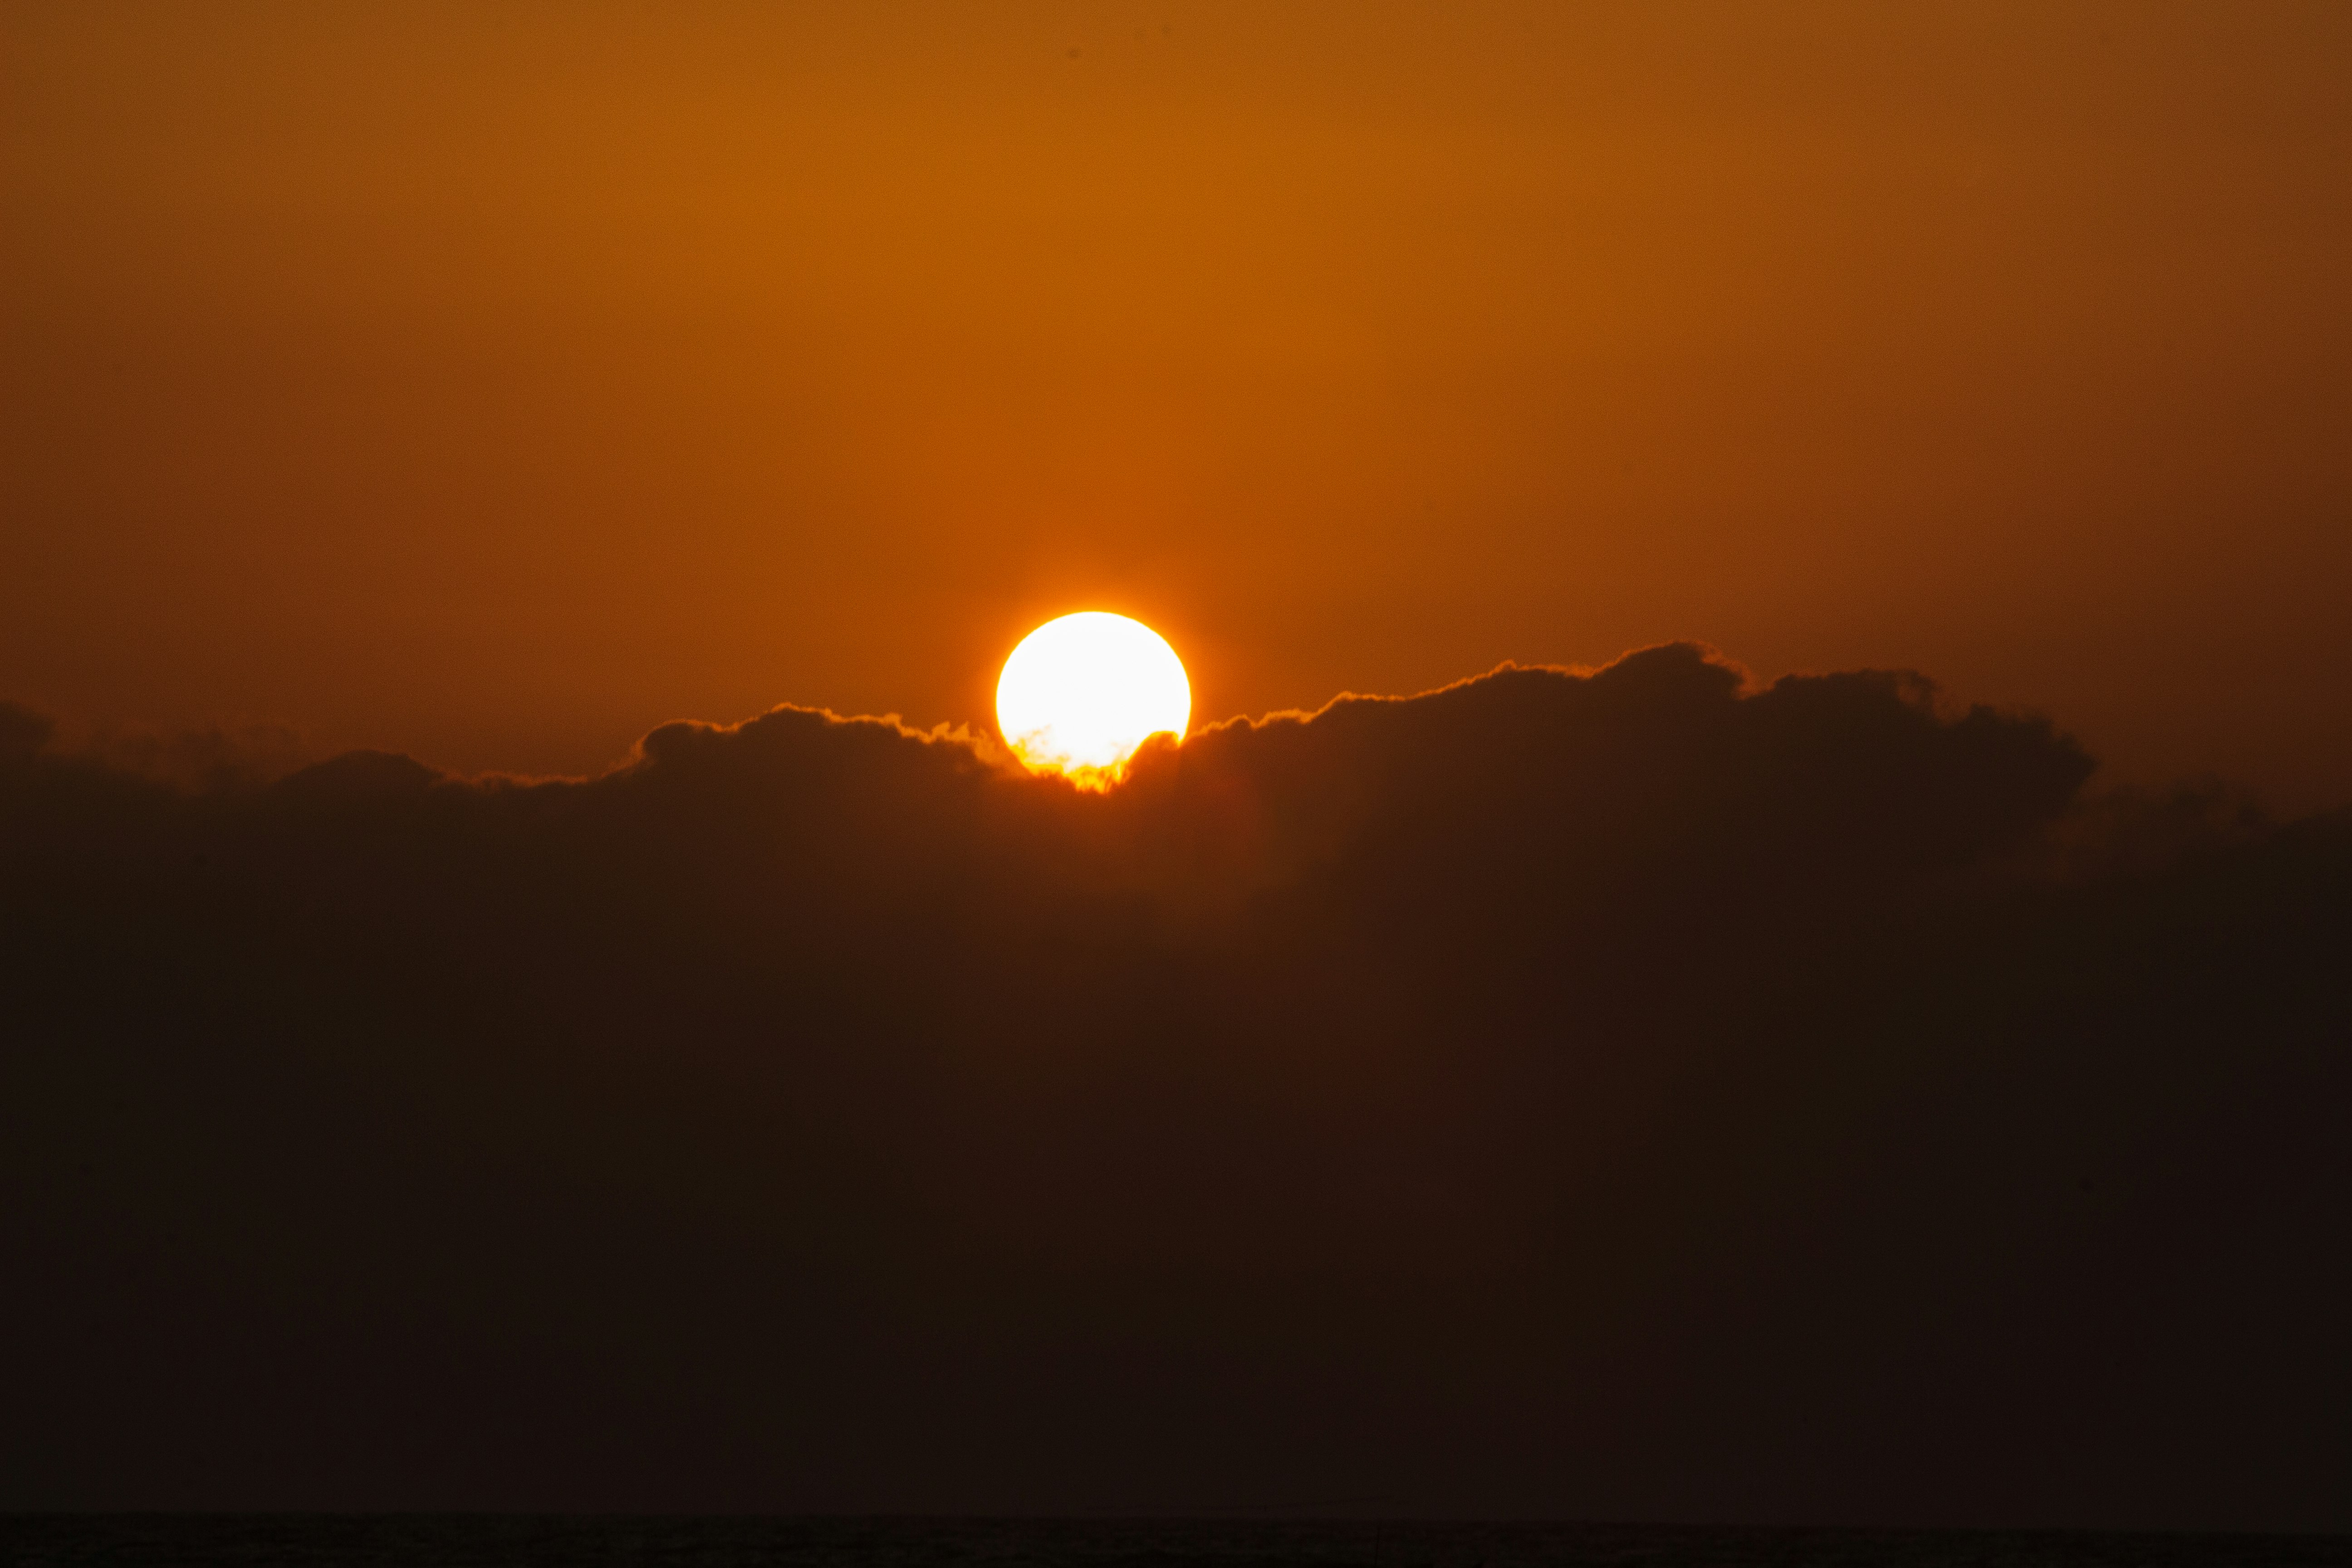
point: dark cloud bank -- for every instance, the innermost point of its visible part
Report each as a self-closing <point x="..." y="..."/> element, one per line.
<point x="1609" y="1096"/>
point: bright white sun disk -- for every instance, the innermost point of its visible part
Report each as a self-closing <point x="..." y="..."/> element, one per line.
<point x="1081" y="693"/>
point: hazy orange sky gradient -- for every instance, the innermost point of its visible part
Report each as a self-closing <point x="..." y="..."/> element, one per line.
<point x="497" y="381"/>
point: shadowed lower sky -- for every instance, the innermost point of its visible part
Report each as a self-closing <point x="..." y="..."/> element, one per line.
<point x="495" y="383"/>
<point x="1608" y="1097"/>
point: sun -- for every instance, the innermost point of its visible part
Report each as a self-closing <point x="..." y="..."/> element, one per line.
<point x="1082" y="692"/>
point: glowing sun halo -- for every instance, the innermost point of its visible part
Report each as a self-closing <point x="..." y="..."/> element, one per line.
<point x="1081" y="693"/>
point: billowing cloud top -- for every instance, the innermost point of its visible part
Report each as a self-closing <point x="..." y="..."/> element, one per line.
<point x="1621" y="1094"/>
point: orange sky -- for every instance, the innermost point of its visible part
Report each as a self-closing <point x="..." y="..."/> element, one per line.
<point x="498" y="382"/>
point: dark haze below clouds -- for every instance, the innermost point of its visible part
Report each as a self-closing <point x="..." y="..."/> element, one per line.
<point x="1615" y="1095"/>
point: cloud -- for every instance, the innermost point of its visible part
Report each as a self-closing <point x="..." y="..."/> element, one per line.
<point x="1623" y="1093"/>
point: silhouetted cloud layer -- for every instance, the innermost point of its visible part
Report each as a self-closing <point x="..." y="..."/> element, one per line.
<point x="1614" y="1094"/>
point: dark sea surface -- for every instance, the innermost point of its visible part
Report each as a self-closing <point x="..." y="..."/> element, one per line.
<point x="466" y="1541"/>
